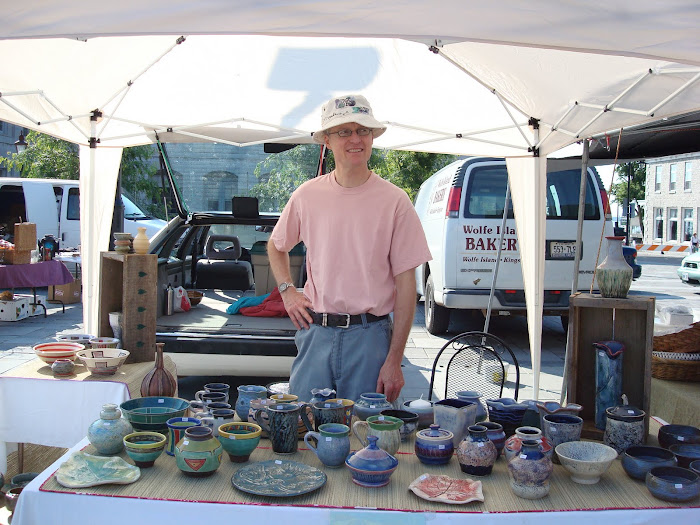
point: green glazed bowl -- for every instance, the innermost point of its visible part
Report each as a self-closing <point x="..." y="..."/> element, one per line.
<point x="239" y="440"/>
<point x="144" y="447"/>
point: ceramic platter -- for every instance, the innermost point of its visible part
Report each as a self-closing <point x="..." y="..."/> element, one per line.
<point x="278" y="478"/>
<point x="83" y="470"/>
<point x="446" y="489"/>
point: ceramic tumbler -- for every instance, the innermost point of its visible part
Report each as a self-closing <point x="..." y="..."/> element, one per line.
<point x="327" y="412"/>
<point x="562" y="428"/>
<point x="385" y="428"/>
<point x="282" y="425"/>
<point x="176" y="431"/>
<point x="333" y="444"/>
<point x="456" y="416"/>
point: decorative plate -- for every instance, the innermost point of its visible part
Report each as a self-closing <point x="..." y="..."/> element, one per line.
<point x="446" y="489"/>
<point x="84" y="470"/>
<point x="278" y="478"/>
<point x="678" y="356"/>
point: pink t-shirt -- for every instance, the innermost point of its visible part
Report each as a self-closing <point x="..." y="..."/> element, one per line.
<point x="357" y="240"/>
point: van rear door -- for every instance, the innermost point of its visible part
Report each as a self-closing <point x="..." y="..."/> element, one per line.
<point x="42" y="209"/>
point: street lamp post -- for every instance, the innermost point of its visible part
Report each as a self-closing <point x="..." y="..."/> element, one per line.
<point x="629" y="203"/>
<point x="21" y="144"/>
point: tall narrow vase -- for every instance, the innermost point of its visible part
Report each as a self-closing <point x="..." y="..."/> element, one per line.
<point x="608" y="378"/>
<point x="159" y="382"/>
<point x="141" y="243"/>
<point x="614" y="275"/>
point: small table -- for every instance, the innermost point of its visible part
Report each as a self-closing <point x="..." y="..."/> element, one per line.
<point x="33" y="276"/>
<point x="39" y="409"/>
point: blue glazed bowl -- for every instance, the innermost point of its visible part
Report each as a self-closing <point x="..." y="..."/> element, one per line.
<point x="144" y="447"/>
<point x="673" y="484"/>
<point x="685" y="453"/>
<point x="638" y="460"/>
<point x="695" y="466"/>
<point x="673" y="434"/>
<point x="152" y="413"/>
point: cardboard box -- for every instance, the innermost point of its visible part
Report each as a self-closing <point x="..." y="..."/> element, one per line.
<point x="15" y="310"/>
<point x="15" y="256"/>
<point x="66" y="293"/>
<point x="25" y="236"/>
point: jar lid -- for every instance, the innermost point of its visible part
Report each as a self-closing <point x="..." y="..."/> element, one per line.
<point x="371" y="457"/>
<point x="435" y="433"/>
<point x="625" y="413"/>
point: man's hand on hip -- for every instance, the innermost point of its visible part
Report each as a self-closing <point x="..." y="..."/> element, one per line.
<point x="296" y="304"/>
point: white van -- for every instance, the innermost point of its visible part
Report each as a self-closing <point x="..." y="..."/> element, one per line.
<point x="461" y="209"/>
<point x="31" y="200"/>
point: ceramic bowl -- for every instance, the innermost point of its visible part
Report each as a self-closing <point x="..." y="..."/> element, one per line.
<point x="144" y="447"/>
<point x="49" y="352"/>
<point x="585" y="460"/>
<point x="239" y="439"/>
<point x="82" y="339"/>
<point x="672" y="434"/>
<point x="410" y="421"/>
<point x="22" y="480"/>
<point x="277" y="388"/>
<point x="12" y="496"/>
<point x="695" y="466"/>
<point x="195" y="297"/>
<point x="638" y="460"/>
<point x="674" y="484"/>
<point x="152" y="413"/>
<point x="685" y="453"/>
<point x="104" y="342"/>
<point x="103" y="361"/>
<point x="426" y="414"/>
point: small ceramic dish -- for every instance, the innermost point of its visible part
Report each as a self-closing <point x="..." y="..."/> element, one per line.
<point x="103" y="361"/>
<point x="587" y="461"/>
<point x="49" y="352"/>
<point x="674" y="484"/>
<point x="672" y="434"/>
<point x="103" y="342"/>
<point x="144" y="447"/>
<point x="444" y="489"/>
<point x="685" y="453"/>
<point x="82" y="339"/>
<point x="239" y="439"/>
<point x="638" y="460"/>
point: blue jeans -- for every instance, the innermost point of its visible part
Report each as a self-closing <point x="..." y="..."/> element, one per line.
<point x="345" y="359"/>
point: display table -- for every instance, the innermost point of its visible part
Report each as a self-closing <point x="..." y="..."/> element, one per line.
<point x="35" y="275"/>
<point x="39" y="409"/>
<point x="163" y="493"/>
<point x="676" y="402"/>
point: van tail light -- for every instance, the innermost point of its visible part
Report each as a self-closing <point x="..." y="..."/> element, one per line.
<point x="453" y="202"/>
<point x="606" y="204"/>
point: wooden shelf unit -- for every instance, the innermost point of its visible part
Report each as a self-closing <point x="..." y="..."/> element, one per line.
<point x="594" y="318"/>
<point x="128" y="283"/>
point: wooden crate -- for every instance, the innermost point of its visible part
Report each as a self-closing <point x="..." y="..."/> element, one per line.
<point x="593" y="318"/>
<point x="128" y="284"/>
<point x="15" y="256"/>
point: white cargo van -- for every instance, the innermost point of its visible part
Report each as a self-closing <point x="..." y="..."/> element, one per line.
<point x="461" y="209"/>
<point x="54" y="205"/>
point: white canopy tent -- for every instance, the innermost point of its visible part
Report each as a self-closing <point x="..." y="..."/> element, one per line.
<point x="451" y="77"/>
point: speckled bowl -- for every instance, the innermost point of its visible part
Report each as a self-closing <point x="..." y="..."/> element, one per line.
<point x="639" y="459"/>
<point x="587" y="461"/>
<point x="674" y="484"/>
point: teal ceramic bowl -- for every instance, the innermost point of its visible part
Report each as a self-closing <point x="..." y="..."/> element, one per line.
<point x="150" y="414"/>
<point x="239" y="439"/>
<point x="144" y="447"/>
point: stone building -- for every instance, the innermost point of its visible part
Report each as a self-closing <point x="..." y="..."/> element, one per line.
<point x="672" y="208"/>
<point x="9" y="134"/>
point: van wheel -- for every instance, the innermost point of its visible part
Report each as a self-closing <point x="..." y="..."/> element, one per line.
<point x="437" y="318"/>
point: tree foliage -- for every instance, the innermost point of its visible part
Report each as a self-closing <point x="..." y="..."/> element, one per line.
<point x="45" y="157"/>
<point x="637" y="186"/>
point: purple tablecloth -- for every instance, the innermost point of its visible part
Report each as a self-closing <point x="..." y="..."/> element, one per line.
<point x="44" y="273"/>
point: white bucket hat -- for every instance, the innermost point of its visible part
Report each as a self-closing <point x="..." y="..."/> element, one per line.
<point x="343" y="110"/>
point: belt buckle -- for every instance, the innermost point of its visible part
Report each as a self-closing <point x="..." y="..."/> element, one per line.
<point x="347" y="321"/>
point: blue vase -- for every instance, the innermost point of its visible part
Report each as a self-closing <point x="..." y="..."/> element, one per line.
<point x="529" y="472"/>
<point x="371" y="404"/>
<point x="245" y="394"/>
<point x="107" y="433"/>
<point x="608" y="378"/>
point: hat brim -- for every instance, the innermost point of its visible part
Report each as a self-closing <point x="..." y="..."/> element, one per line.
<point x="366" y="121"/>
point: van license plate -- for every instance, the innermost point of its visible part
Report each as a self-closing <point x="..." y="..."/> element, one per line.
<point x="562" y="250"/>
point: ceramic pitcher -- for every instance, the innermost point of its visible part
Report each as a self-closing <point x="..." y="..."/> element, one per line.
<point x="333" y="444"/>
<point x="456" y="416"/>
<point x="283" y="425"/>
<point x="245" y="394"/>
<point x="385" y="428"/>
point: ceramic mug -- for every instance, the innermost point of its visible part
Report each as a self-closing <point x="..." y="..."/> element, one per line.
<point x="349" y="405"/>
<point x="385" y="428"/>
<point x="282" y="425"/>
<point x="333" y="444"/>
<point x="328" y="412"/>
<point x="211" y="397"/>
<point x="561" y="428"/>
<point x="217" y="418"/>
<point x="195" y="407"/>
<point x="176" y="431"/>
<point x="216" y="387"/>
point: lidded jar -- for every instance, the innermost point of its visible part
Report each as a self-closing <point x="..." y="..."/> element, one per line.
<point x="434" y="445"/>
<point x="107" y="433"/>
<point x="371" y="404"/>
<point x="529" y="471"/>
<point x="371" y="466"/>
<point x="624" y="427"/>
<point x="476" y="452"/>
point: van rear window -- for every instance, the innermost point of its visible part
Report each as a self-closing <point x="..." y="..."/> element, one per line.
<point x="486" y="193"/>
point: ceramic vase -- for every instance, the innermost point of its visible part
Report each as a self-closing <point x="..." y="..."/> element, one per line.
<point x="122" y="242"/>
<point x="245" y="394"/>
<point x="531" y="418"/>
<point x="529" y="472"/>
<point x="608" y="378"/>
<point x="508" y="412"/>
<point x="614" y="275"/>
<point x="561" y="428"/>
<point x="434" y="445"/>
<point x="115" y="322"/>
<point x="476" y="453"/>
<point x="198" y="453"/>
<point x="332" y="444"/>
<point x="513" y="444"/>
<point x="474" y="397"/>
<point x="456" y="416"/>
<point x="107" y="433"/>
<point x="371" y="404"/>
<point x="624" y="427"/>
<point x="321" y="394"/>
<point x="141" y="243"/>
<point x="159" y="382"/>
<point x="495" y="433"/>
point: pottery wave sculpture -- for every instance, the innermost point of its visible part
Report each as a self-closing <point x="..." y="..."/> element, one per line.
<point x="159" y="382"/>
<point x="552" y="407"/>
<point x="608" y="378"/>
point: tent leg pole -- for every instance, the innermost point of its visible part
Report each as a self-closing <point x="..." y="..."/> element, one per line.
<point x="497" y="265"/>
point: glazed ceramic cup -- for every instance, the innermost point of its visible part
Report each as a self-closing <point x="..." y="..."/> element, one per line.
<point x="333" y="444"/>
<point x="385" y="428"/>
<point x="239" y="439"/>
<point x="349" y="405"/>
<point x="561" y="428"/>
<point x="216" y="387"/>
<point x="327" y="412"/>
<point x="176" y="431"/>
<point x="211" y="397"/>
<point x="282" y="425"/>
<point x="410" y="421"/>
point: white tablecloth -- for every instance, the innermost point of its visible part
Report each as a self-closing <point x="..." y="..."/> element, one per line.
<point x="35" y="506"/>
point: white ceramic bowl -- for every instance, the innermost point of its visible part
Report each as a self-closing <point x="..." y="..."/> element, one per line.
<point x="585" y="460"/>
<point x="103" y="361"/>
<point x="83" y="339"/>
<point x="49" y="352"/>
<point x="103" y="342"/>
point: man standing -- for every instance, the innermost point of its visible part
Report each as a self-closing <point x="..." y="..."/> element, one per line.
<point x="363" y="242"/>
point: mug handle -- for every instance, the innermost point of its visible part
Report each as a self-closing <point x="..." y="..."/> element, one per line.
<point x="307" y="440"/>
<point x="198" y="395"/>
<point x="259" y="419"/>
<point x="208" y="421"/>
<point x="355" y="430"/>
<point x="304" y="414"/>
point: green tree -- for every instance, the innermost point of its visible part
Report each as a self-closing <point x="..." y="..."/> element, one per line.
<point x="637" y="185"/>
<point x="138" y="171"/>
<point x="45" y="157"/>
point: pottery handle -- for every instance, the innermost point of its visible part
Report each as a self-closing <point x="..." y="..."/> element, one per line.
<point x="259" y="419"/>
<point x="355" y="430"/>
<point x="208" y="421"/>
<point x="307" y="440"/>
<point x="198" y="395"/>
<point x="304" y="414"/>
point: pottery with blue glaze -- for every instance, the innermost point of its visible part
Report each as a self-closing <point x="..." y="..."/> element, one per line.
<point x="476" y="452"/>
<point x="475" y="397"/>
<point x="107" y="433"/>
<point x="332" y="443"/>
<point x="371" y="466"/>
<point x="434" y="445"/>
<point x="371" y="404"/>
<point x="608" y="378"/>
<point x="674" y="484"/>
<point x="508" y="412"/>
<point x="245" y="394"/>
<point x="529" y="471"/>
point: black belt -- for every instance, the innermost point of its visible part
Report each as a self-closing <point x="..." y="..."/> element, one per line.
<point x="344" y="320"/>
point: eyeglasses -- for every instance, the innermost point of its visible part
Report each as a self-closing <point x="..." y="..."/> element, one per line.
<point x="345" y="133"/>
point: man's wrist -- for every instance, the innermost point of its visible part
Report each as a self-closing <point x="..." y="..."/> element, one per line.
<point x="285" y="286"/>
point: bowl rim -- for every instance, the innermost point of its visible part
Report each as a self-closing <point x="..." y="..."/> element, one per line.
<point x="678" y="450"/>
<point x="141" y="399"/>
<point x="80" y="353"/>
<point x="68" y="346"/>
<point x="656" y="472"/>
<point x="568" y="444"/>
<point x="160" y="441"/>
<point x="664" y="453"/>
<point x="673" y="429"/>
